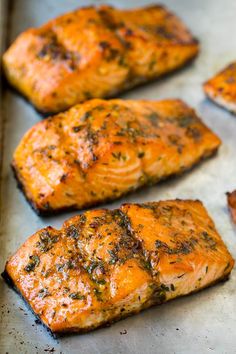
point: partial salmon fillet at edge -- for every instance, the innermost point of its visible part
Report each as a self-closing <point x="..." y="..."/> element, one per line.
<point x="221" y="88"/>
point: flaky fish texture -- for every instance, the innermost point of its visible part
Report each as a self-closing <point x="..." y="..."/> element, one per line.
<point x="104" y="265"/>
<point x="96" y="52"/>
<point x="100" y="150"/>
<point x="222" y="88"/>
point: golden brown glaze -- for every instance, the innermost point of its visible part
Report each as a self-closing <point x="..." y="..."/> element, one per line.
<point x="222" y="88"/>
<point x="107" y="264"/>
<point x="100" y="150"/>
<point x="96" y="52"/>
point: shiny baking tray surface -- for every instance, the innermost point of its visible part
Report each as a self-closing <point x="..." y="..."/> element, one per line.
<point x="201" y="323"/>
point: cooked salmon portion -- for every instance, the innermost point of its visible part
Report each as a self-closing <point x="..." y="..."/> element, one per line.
<point x="104" y="265"/>
<point x="96" y="52"/>
<point x="101" y="150"/>
<point x="231" y="199"/>
<point x="222" y="88"/>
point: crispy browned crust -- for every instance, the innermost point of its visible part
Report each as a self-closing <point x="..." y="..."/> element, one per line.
<point x="40" y="212"/>
<point x="11" y="284"/>
<point x="56" y="335"/>
<point x="51" y="211"/>
<point x="220" y="105"/>
<point x="151" y="267"/>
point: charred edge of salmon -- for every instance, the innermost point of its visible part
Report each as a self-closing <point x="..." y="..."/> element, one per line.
<point x="50" y="211"/>
<point x="9" y="281"/>
<point x="144" y="81"/>
<point x="68" y="332"/>
<point x="220" y="102"/>
<point x="139" y="83"/>
<point x="12" y="285"/>
<point x="6" y="85"/>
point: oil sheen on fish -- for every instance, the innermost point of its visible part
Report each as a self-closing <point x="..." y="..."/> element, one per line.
<point x="104" y="265"/>
<point x="222" y="88"/>
<point x="101" y="150"/>
<point x="96" y="52"/>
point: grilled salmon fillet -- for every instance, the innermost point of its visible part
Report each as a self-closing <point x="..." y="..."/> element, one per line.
<point x="231" y="199"/>
<point x="222" y="88"/>
<point x="96" y="52"/>
<point x="100" y="150"/>
<point x="104" y="265"/>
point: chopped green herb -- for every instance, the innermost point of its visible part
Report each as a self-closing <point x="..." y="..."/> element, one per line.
<point x="34" y="262"/>
<point x="46" y="241"/>
<point x="160" y="244"/>
<point x="77" y="128"/>
<point x="154" y="118"/>
<point x="119" y="156"/>
<point x="100" y="281"/>
<point x="98" y="294"/>
<point x="114" y="257"/>
<point x="146" y="264"/>
<point x="72" y="232"/>
<point x="77" y="296"/>
<point x="141" y="154"/>
<point x="85" y="116"/>
<point x="59" y="267"/>
<point x="66" y="290"/>
<point x="159" y="293"/>
<point x="122" y="61"/>
<point x="91" y="267"/>
<point x="209" y="240"/>
<point x="70" y="264"/>
<point x="185" y="121"/>
<point x="43" y="293"/>
<point x="164" y="287"/>
<point x="194" y="133"/>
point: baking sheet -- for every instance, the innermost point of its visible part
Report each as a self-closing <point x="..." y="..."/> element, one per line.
<point x="201" y="323"/>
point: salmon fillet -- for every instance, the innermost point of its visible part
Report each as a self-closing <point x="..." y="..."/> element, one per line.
<point x="101" y="150"/>
<point x="231" y="199"/>
<point x="96" y="52"/>
<point x="104" y="265"/>
<point x="222" y="88"/>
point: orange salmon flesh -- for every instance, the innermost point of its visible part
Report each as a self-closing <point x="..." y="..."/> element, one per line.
<point x="96" y="52"/>
<point x="222" y="88"/>
<point x="104" y="265"/>
<point x="102" y="149"/>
